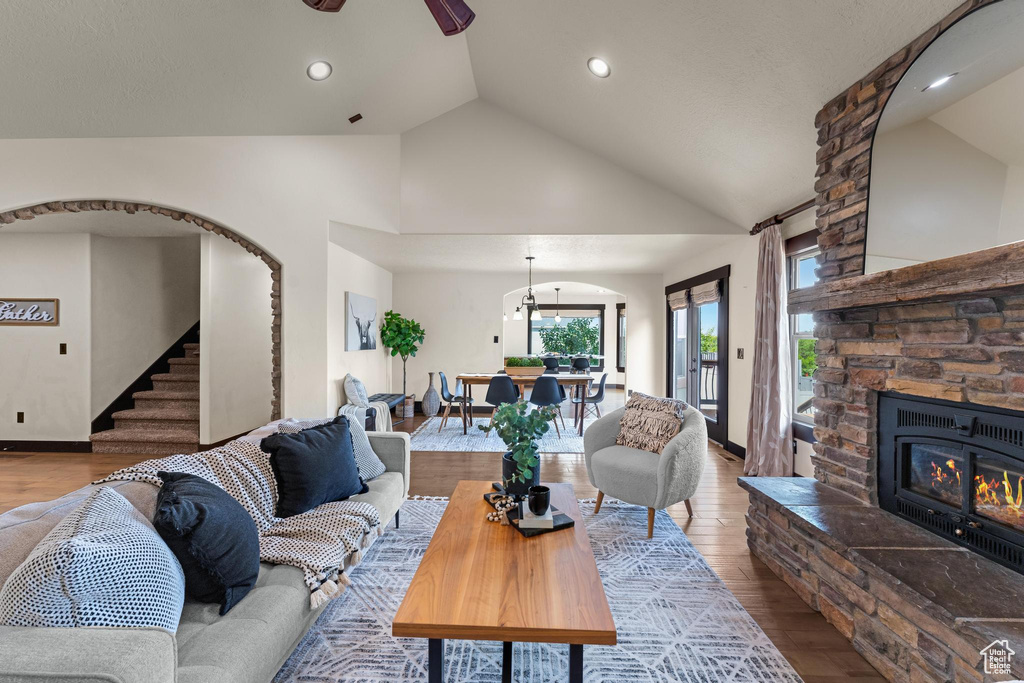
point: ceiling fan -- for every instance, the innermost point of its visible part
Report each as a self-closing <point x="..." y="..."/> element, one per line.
<point x="453" y="16"/>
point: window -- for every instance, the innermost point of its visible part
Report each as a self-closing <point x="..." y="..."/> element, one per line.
<point x="802" y="263"/>
<point x="620" y="344"/>
<point x="580" y="330"/>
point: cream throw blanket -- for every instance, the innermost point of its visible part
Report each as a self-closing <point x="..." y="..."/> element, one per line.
<point x="321" y="542"/>
<point x="381" y="410"/>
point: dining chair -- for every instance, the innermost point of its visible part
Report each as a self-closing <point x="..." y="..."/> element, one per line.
<point x="580" y="365"/>
<point x="546" y="393"/>
<point x="450" y="398"/>
<point x="500" y="390"/>
<point x="593" y="400"/>
<point x="551" y="365"/>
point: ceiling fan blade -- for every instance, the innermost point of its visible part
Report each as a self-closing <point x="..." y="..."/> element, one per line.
<point x="453" y="16"/>
<point x="325" y="5"/>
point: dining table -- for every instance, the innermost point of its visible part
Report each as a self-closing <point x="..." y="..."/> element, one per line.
<point x="577" y="385"/>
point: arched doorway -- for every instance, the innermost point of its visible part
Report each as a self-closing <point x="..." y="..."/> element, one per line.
<point x="272" y="279"/>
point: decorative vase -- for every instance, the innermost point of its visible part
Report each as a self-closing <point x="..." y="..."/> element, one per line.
<point x="509" y="469"/>
<point x="431" y="401"/>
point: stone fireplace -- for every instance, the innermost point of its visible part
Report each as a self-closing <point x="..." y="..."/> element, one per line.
<point x="908" y="539"/>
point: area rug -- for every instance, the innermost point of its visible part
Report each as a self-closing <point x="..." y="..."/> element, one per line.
<point x="451" y="438"/>
<point x="675" y="618"/>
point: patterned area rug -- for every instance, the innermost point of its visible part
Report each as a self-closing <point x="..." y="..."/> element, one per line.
<point x="451" y="438"/>
<point x="676" y="620"/>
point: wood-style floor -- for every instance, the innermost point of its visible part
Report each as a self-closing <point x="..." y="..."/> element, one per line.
<point x="814" y="648"/>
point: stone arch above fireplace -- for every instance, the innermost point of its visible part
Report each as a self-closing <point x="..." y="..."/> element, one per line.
<point x="30" y="212"/>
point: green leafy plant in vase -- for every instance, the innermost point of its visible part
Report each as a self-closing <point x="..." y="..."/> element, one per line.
<point x="520" y="428"/>
<point x="403" y="336"/>
<point x="522" y="366"/>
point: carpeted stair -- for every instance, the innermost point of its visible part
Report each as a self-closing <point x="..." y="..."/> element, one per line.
<point x="164" y="420"/>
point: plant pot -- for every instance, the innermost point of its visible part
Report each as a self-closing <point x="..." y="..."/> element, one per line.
<point x="431" y="402"/>
<point x="509" y="468"/>
<point x="525" y="372"/>
<point x="410" y="406"/>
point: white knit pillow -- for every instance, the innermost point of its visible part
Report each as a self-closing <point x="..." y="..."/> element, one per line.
<point x="355" y="391"/>
<point x="102" y="565"/>
<point x="369" y="465"/>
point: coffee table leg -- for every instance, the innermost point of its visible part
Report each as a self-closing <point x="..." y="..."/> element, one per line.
<point x="435" y="660"/>
<point x="575" y="664"/>
<point x="506" y="663"/>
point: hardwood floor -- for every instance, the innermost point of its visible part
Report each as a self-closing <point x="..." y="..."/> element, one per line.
<point x="815" y="649"/>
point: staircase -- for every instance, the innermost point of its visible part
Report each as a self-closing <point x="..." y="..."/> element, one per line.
<point x="164" y="420"/>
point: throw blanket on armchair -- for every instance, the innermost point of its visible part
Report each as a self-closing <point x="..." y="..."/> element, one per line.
<point x="321" y="542"/>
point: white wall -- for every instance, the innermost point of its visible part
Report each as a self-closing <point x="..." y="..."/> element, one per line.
<point x="514" y="334"/>
<point x="350" y="273"/>
<point x="479" y="168"/>
<point x="930" y="188"/>
<point x="461" y="313"/>
<point x="52" y="390"/>
<point x="145" y="295"/>
<point x="279" y="192"/>
<point x="235" y="355"/>
<point x="1011" y="216"/>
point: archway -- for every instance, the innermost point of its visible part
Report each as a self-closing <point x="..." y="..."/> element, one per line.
<point x="30" y="212"/>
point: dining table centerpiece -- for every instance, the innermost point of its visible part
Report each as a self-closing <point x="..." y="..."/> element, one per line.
<point x="520" y="427"/>
<point x="521" y="366"/>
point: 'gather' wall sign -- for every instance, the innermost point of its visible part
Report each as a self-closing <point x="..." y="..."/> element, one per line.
<point x="28" y="312"/>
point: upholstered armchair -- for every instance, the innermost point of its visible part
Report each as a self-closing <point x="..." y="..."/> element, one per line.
<point x="652" y="480"/>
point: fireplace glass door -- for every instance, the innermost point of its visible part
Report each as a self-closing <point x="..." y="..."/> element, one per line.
<point x="934" y="471"/>
<point x="998" y="491"/>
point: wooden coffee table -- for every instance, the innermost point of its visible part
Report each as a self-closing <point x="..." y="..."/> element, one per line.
<point x="482" y="581"/>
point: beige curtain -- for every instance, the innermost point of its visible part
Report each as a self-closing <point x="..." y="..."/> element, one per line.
<point x="706" y="293"/>
<point x="769" y="428"/>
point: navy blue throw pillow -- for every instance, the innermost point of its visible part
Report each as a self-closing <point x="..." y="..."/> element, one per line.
<point x="313" y="467"/>
<point x="213" y="537"/>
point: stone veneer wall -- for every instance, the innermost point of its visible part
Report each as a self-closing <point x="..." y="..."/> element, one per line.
<point x="964" y="350"/>
<point x="30" y="212"/>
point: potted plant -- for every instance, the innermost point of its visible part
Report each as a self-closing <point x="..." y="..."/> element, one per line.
<point x="519" y="366"/>
<point x="520" y="428"/>
<point x="402" y="336"/>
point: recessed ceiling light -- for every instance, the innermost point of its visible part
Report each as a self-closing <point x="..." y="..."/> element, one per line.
<point x="599" y="67"/>
<point x="942" y="81"/>
<point x="319" y="71"/>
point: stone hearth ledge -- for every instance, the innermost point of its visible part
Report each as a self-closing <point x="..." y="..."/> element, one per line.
<point x="916" y="606"/>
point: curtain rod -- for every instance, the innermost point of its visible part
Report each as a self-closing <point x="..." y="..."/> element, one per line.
<point x="779" y="217"/>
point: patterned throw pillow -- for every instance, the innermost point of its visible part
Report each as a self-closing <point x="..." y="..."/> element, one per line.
<point x="649" y="422"/>
<point x="370" y="466"/>
<point x="102" y="565"/>
<point x="355" y="391"/>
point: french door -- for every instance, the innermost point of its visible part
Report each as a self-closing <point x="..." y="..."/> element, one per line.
<point x="698" y="352"/>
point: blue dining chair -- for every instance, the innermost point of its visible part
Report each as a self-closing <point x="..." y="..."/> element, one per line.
<point x="500" y="390"/>
<point x="594" y="400"/>
<point x="546" y="393"/>
<point x="456" y="398"/>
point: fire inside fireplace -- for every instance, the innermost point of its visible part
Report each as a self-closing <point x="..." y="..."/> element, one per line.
<point x="956" y="469"/>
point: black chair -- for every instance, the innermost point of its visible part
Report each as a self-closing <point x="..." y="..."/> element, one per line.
<point x="551" y="368"/>
<point x="593" y="400"/>
<point x="546" y="393"/>
<point x="580" y="365"/>
<point x="500" y="390"/>
<point x="450" y="398"/>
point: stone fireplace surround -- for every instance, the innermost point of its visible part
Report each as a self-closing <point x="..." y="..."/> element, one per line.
<point x="918" y="607"/>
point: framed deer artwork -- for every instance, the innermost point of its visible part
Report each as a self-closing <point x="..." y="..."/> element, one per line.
<point x="360" y="322"/>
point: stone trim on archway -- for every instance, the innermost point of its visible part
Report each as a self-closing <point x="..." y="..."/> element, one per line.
<point x="30" y="212"/>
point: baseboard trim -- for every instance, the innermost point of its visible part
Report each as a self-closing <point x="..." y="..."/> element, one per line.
<point x="46" y="446"/>
<point x="736" y="449"/>
<point x="218" y="444"/>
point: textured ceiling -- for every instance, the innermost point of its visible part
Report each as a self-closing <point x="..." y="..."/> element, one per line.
<point x="127" y="68"/>
<point x="506" y="253"/>
<point x="711" y="100"/>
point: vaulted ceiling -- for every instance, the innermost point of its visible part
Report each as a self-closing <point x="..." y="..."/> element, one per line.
<point x="713" y="101"/>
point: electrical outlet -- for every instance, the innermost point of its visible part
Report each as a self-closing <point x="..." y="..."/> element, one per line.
<point x="739" y="354"/>
<point x="21" y="418"/>
<point x="63" y="349"/>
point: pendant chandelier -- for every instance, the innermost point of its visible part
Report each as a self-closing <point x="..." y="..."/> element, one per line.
<point x="558" y="314"/>
<point x="529" y="302"/>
